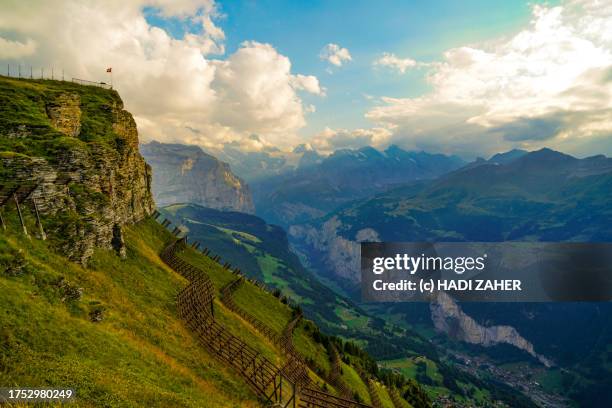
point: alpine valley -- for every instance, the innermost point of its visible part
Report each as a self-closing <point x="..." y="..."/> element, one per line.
<point x="417" y="196"/>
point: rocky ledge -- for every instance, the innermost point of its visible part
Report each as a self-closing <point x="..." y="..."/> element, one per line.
<point x="79" y="147"/>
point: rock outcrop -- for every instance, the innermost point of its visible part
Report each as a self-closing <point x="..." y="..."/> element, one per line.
<point x="448" y="318"/>
<point x="83" y="157"/>
<point x="339" y="254"/>
<point x="185" y="174"/>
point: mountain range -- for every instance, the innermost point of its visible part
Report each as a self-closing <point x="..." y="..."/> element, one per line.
<point x="517" y="196"/>
<point x="321" y="184"/>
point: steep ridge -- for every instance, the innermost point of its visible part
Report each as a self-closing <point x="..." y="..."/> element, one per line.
<point x="65" y="324"/>
<point x="123" y="282"/>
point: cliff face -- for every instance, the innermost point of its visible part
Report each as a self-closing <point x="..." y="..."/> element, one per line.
<point x="185" y="174"/>
<point x="79" y="148"/>
<point x="339" y="254"/>
<point x="448" y="318"/>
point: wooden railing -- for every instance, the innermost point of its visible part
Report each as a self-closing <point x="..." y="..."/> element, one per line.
<point x="196" y="308"/>
<point x="311" y="398"/>
<point x="273" y="384"/>
<point x="227" y="297"/>
<point x="398" y="401"/>
<point x="296" y="369"/>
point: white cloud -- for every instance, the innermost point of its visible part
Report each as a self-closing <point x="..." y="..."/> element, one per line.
<point x="335" y="55"/>
<point x="256" y="92"/>
<point x="308" y="83"/>
<point x="550" y="84"/>
<point x="174" y="89"/>
<point x="391" y="61"/>
<point x="330" y="140"/>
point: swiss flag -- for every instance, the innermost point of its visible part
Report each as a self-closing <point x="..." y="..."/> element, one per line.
<point x="109" y="70"/>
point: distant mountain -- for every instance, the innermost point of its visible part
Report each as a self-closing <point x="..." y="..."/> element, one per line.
<point x="322" y="184"/>
<point x="538" y="196"/>
<point x="541" y="196"/>
<point x="507" y="157"/>
<point x="185" y="174"/>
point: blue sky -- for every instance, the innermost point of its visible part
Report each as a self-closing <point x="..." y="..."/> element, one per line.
<point x="459" y="77"/>
<point x="420" y="30"/>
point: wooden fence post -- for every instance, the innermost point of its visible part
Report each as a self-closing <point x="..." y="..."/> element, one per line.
<point x="43" y="236"/>
<point x="25" y="230"/>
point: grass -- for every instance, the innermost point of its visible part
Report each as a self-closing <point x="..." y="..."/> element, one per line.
<point x="307" y="347"/>
<point x="23" y="106"/>
<point x="244" y="331"/>
<point x="383" y="395"/>
<point x="139" y="354"/>
<point x="219" y="276"/>
<point x="355" y="383"/>
<point x="264" y="307"/>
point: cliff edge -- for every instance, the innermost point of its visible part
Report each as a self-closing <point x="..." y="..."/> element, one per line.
<point x="73" y="149"/>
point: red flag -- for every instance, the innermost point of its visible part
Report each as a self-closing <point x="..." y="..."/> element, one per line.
<point x="109" y="70"/>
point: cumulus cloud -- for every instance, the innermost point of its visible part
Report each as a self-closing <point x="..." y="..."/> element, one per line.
<point x="309" y="83"/>
<point x="173" y="86"/>
<point x="330" y="140"/>
<point x="255" y="91"/>
<point x="392" y="61"/>
<point x="335" y="54"/>
<point x="550" y="84"/>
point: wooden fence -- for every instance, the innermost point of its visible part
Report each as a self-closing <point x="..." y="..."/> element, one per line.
<point x="277" y="386"/>
<point x="296" y="368"/>
<point x="196" y="308"/>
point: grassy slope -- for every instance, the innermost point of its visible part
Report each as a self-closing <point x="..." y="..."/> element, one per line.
<point x="355" y="383"/>
<point x="139" y="354"/>
<point x="263" y="306"/>
<point x="231" y="321"/>
<point x="270" y="310"/>
<point x="261" y="251"/>
<point x="383" y="395"/>
<point x="23" y="103"/>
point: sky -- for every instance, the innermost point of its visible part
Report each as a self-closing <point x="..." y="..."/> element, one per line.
<point x="470" y="78"/>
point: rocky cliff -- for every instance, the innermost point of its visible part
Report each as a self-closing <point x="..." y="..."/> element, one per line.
<point x="448" y="318"/>
<point x="341" y="256"/>
<point x="78" y="148"/>
<point x="185" y="174"/>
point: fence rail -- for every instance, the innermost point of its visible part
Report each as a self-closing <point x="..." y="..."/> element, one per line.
<point x="29" y="72"/>
<point x="195" y="305"/>
<point x="92" y="83"/>
<point x="196" y="308"/>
